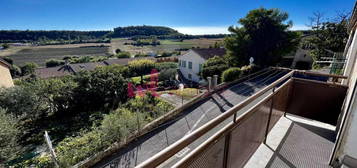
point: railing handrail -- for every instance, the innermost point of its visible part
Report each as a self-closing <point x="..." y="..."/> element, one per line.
<point x="171" y="150"/>
<point x="313" y="73"/>
<point x="226" y="129"/>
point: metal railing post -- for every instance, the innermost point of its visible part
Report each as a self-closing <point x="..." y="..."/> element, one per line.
<point x="234" y="117"/>
<point x="226" y="149"/>
<point x="269" y="117"/>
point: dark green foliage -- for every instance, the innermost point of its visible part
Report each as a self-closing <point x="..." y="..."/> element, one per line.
<point x="123" y="55"/>
<point x="167" y="74"/>
<point x="24" y="36"/>
<point x="104" y="87"/>
<point x="86" y="59"/>
<point x="231" y="74"/>
<point x="115" y="127"/>
<point x="166" y="65"/>
<point x="5" y="46"/>
<point x="143" y="42"/>
<point x="117" y="51"/>
<point x="23" y="102"/>
<point x="328" y="38"/>
<point x="248" y="69"/>
<point x="140" y="55"/>
<point x="54" y="62"/>
<point x="264" y="35"/>
<point x="141" y="67"/>
<point x="28" y="68"/>
<point x="15" y="71"/>
<point x="64" y="105"/>
<point x="9" y="60"/>
<point x="214" y="66"/>
<point x="131" y="31"/>
<point x="9" y="147"/>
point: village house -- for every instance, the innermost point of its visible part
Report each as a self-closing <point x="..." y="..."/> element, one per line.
<point x="5" y="76"/>
<point x="191" y="63"/>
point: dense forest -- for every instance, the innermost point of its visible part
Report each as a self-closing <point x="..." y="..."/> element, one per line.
<point x="42" y="35"/>
<point x="134" y="32"/>
<point x="131" y="31"/>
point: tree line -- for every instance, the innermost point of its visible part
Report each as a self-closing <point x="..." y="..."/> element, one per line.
<point x="134" y="32"/>
<point x="42" y="35"/>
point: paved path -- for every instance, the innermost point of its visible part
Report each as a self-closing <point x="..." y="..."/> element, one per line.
<point x="191" y="119"/>
<point x="173" y="99"/>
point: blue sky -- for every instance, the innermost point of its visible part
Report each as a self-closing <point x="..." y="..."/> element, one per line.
<point x="187" y="16"/>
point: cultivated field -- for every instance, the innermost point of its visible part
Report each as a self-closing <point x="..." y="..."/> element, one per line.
<point x="165" y="46"/>
<point x="39" y="54"/>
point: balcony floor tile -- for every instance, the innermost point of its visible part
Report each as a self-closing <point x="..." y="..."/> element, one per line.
<point x="295" y="142"/>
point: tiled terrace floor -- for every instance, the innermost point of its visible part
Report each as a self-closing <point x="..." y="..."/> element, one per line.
<point x="295" y="142"/>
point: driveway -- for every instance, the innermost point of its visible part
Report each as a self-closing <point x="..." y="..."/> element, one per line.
<point x="191" y="119"/>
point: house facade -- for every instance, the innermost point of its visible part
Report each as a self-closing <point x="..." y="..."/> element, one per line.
<point x="5" y="76"/>
<point x="191" y="63"/>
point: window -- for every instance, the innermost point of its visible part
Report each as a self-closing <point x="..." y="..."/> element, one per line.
<point x="200" y="67"/>
<point x="183" y="63"/>
<point x="189" y="65"/>
<point x="189" y="76"/>
<point x="179" y="63"/>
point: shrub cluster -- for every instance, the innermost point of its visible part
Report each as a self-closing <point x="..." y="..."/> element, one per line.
<point x="116" y="126"/>
<point x="231" y="74"/>
<point x="62" y="106"/>
<point x="234" y="73"/>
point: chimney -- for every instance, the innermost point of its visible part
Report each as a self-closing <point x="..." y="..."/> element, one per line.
<point x="209" y="79"/>
<point x="214" y="81"/>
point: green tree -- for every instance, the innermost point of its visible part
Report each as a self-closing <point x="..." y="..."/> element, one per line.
<point x="264" y="35"/>
<point x="9" y="60"/>
<point x="117" y="51"/>
<point x="5" y="46"/>
<point x="141" y="67"/>
<point x="9" y="146"/>
<point x="54" y="62"/>
<point x="28" y="68"/>
<point x="214" y="66"/>
<point x="327" y="37"/>
<point x="105" y="87"/>
<point x="15" y="71"/>
<point x="123" y="55"/>
<point x="167" y="74"/>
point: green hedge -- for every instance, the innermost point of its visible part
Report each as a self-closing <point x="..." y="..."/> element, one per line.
<point x="234" y="73"/>
<point x="231" y="74"/>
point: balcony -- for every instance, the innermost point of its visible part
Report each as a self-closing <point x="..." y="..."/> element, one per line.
<point x="292" y="125"/>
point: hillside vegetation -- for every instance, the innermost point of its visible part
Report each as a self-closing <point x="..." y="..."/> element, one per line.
<point x="131" y="31"/>
<point x="40" y="35"/>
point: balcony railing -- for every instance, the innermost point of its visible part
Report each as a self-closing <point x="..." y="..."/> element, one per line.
<point x="236" y="142"/>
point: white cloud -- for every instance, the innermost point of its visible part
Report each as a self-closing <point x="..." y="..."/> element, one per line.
<point x="300" y="27"/>
<point x="199" y="30"/>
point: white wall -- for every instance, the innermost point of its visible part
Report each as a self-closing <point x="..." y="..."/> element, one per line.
<point x="193" y="57"/>
<point x="5" y="77"/>
<point x="347" y="144"/>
